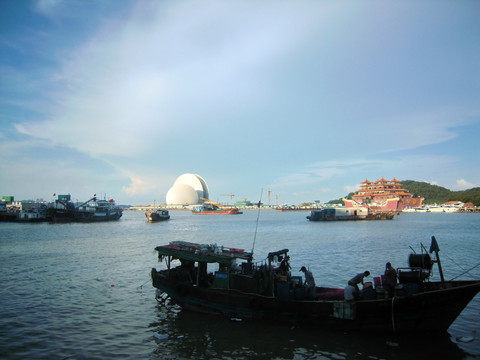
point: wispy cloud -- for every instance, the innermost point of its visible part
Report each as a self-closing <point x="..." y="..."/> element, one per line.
<point x="463" y="184"/>
<point x="137" y="79"/>
<point x="302" y="94"/>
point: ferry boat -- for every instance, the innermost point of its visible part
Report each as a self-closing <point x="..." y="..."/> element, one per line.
<point x="383" y="195"/>
<point x="238" y="288"/>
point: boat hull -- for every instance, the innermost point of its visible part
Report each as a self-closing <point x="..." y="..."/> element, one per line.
<point x="87" y="217"/>
<point x="155" y="217"/>
<point x="217" y="212"/>
<point x="432" y="310"/>
<point x="348" y="214"/>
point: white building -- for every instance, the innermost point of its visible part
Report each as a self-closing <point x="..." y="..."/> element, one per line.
<point x="188" y="189"/>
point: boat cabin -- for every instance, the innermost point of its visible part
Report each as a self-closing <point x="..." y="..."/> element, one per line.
<point x="213" y="267"/>
<point x="327" y="214"/>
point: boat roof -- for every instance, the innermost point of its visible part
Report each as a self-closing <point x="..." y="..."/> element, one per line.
<point x="202" y="252"/>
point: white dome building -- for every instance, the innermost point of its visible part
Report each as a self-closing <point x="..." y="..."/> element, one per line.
<point x="187" y="190"/>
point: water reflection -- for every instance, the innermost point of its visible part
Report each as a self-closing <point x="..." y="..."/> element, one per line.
<point x="183" y="334"/>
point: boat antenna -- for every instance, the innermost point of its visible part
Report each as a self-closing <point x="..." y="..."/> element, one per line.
<point x="258" y="215"/>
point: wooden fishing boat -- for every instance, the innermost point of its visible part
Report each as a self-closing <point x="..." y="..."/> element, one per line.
<point x="239" y="289"/>
<point x="158" y="215"/>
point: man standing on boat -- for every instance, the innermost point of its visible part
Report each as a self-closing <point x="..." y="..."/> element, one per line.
<point x="309" y="280"/>
<point x="285" y="266"/>
<point x="389" y="279"/>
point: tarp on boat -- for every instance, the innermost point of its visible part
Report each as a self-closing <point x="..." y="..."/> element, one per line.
<point x="202" y="253"/>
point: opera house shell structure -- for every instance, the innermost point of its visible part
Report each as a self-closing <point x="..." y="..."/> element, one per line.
<point x="187" y="190"/>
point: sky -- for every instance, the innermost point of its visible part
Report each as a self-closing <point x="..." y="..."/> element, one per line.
<point x="302" y="100"/>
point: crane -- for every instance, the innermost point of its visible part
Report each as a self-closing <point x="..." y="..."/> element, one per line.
<point x="231" y="197"/>
<point x="213" y="203"/>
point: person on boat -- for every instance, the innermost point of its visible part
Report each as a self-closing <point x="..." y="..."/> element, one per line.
<point x="309" y="280"/>
<point x="285" y="267"/>
<point x="389" y="279"/>
<point x="357" y="279"/>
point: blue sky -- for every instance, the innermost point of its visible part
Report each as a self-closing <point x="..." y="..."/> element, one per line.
<point x="303" y="98"/>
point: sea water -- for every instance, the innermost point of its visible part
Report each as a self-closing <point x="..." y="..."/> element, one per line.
<point x="83" y="291"/>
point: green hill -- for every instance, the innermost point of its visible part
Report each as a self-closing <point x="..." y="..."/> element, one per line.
<point x="434" y="194"/>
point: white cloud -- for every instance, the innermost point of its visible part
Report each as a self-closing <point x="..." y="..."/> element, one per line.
<point x="181" y="76"/>
<point x="463" y="184"/>
<point x="138" y="80"/>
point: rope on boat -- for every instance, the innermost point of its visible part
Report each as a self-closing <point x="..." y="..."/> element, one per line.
<point x="393" y="317"/>
<point x="466" y="271"/>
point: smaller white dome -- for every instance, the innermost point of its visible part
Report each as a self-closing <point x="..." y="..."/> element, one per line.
<point x="182" y="194"/>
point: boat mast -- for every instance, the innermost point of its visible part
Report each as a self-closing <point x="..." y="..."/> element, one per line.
<point x="256" y="226"/>
<point x="434" y="248"/>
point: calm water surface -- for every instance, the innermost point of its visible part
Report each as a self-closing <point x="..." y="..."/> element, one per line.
<point x="83" y="291"/>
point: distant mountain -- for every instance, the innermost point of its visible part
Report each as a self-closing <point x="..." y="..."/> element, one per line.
<point x="434" y="194"/>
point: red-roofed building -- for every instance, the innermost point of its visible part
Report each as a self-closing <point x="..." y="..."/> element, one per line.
<point x="383" y="195"/>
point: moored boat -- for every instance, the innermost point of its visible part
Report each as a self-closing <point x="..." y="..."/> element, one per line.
<point x="33" y="212"/>
<point x="443" y="209"/>
<point x="62" y="210"/>
<point x="416" y="209"/>
<point x="241" y="289"/>
<point x="95" y="210"/>
<point x="157" y="215"/>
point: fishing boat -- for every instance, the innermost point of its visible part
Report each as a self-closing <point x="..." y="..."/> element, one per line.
<point x="62" y="210"/>
<point x="342" y="214"/>
<point x="238" y="288"/>
<point x="212" y="208"/>
<point x="95" y="210"/>
<point x="158" y="215"/>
